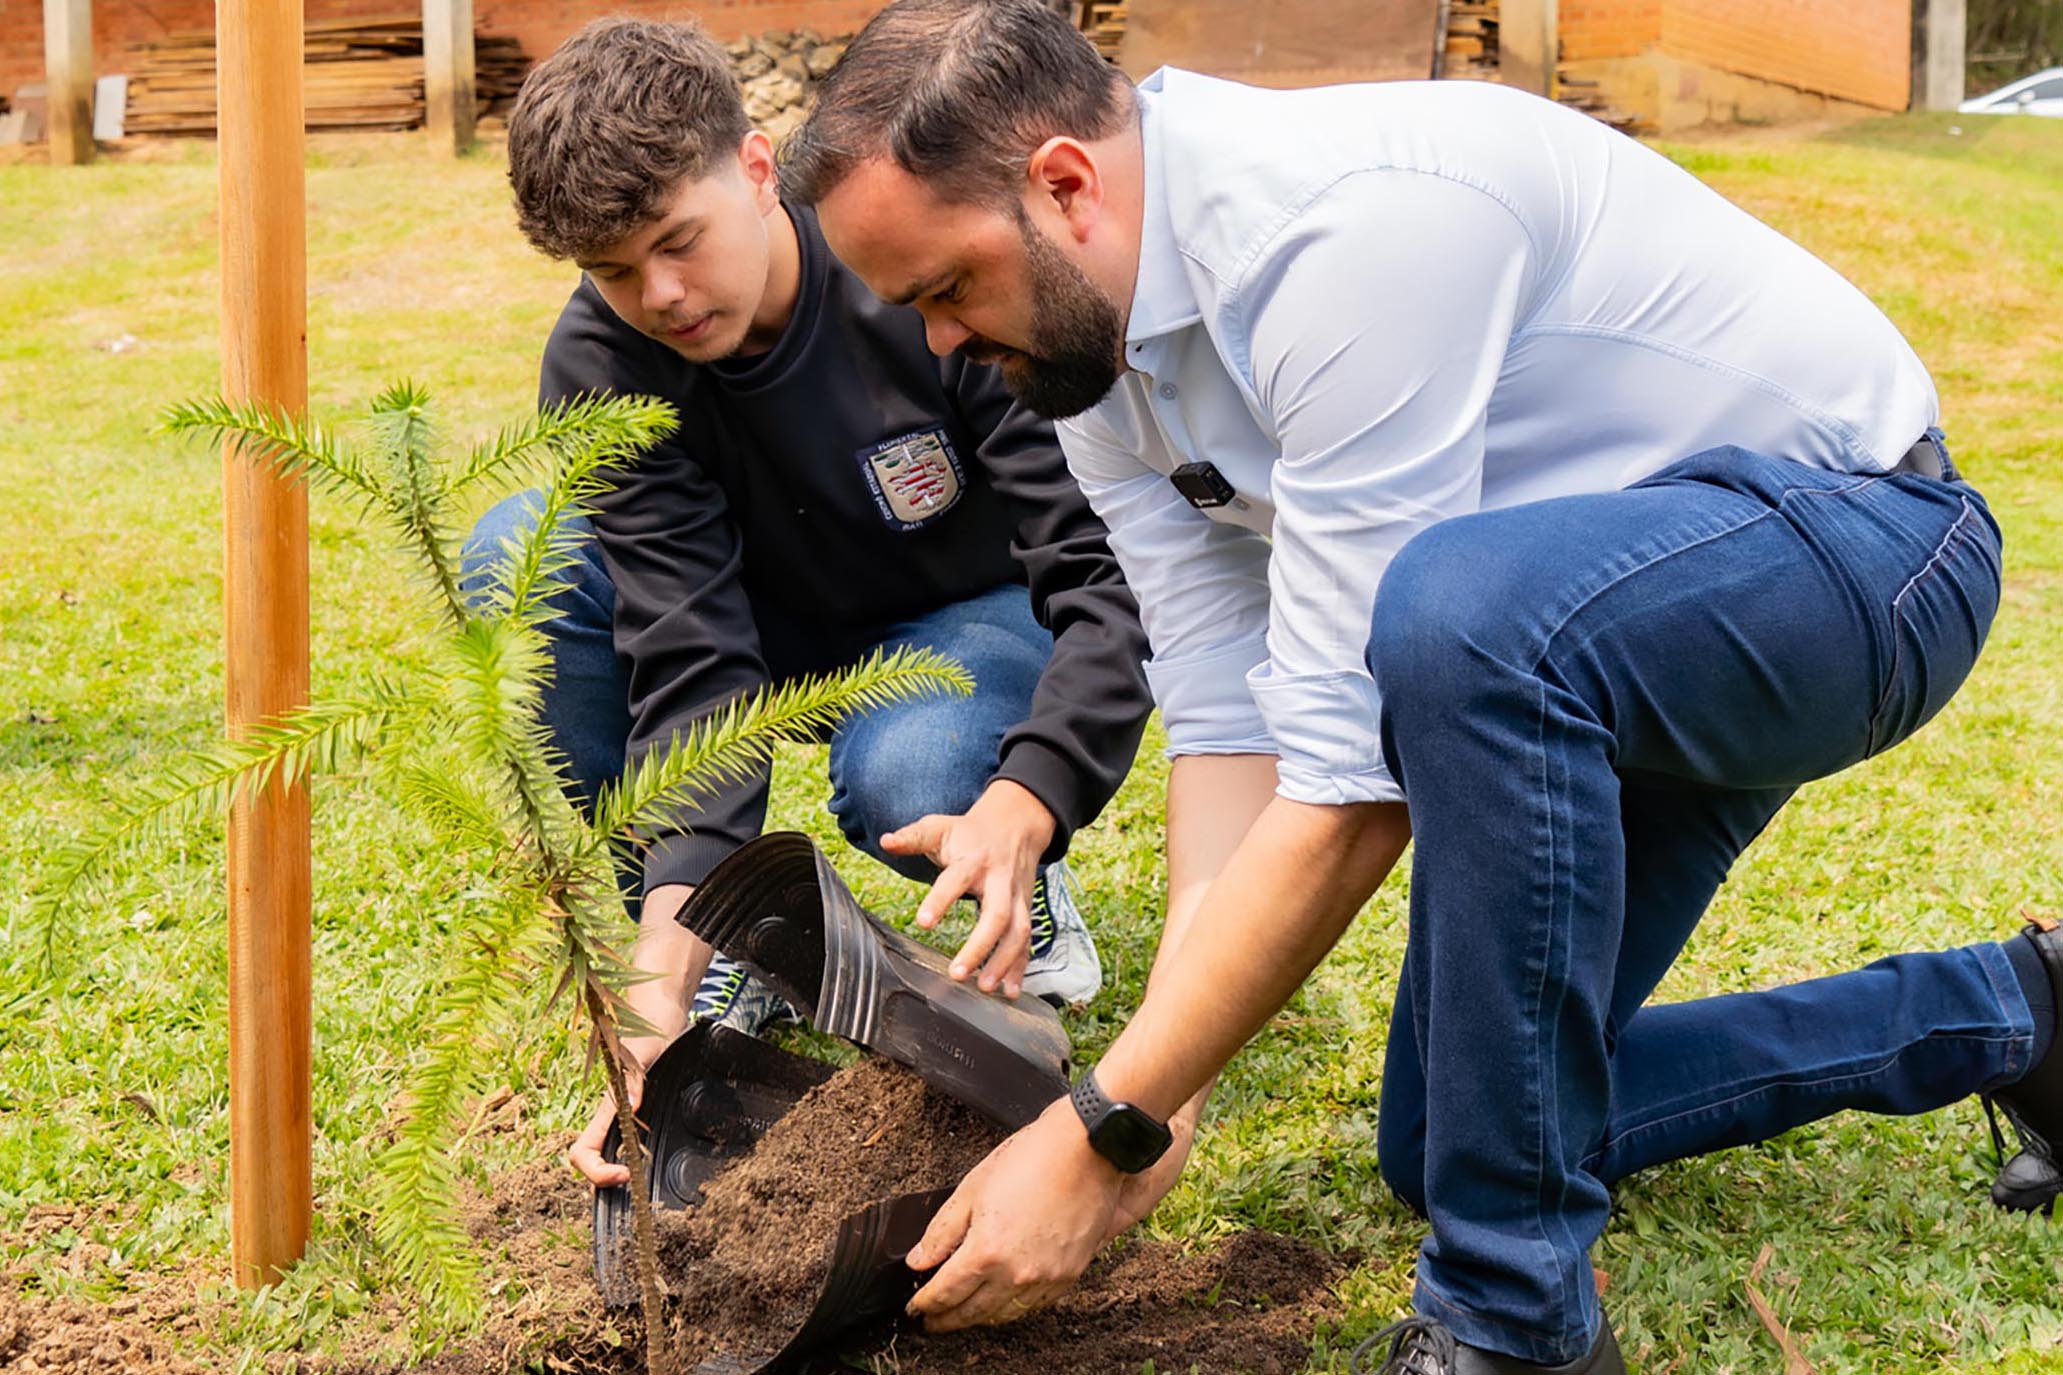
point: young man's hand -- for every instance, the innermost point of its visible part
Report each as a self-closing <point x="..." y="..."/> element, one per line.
<point x="676" y="959"/>
<point x="992" y="851"/>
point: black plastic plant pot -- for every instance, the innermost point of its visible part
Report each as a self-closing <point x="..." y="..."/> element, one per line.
<point x="708" y="1098"/>
<point x="864" y="1292"/>
<point x="777" y="906"/>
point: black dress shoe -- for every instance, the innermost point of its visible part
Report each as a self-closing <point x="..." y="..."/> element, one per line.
<point x="1424" y="1346"/>
<point x="2032" y="1180"/>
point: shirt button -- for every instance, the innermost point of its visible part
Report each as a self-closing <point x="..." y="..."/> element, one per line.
<point x="1168" y="391"/>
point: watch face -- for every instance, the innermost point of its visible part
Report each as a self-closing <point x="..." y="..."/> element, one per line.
<point x="1129" y="1139"/>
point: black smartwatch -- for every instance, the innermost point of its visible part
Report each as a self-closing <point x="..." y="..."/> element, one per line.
<point x="1130" y="1138"/>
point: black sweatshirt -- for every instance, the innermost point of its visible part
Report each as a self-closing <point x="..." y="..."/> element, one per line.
<point x="820" y="493"/>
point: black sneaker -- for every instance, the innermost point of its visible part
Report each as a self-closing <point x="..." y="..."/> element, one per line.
<point x="1424" y="1346"/>
<point x="2032" y="1180"/>
<point x="729" y="996"/>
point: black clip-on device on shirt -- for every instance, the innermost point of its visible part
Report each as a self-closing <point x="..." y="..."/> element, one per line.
<point x="1203" y="486"/>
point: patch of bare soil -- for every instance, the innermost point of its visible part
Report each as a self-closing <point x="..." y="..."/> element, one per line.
<point x="1247" y="1306"/>
<point x="744" y="1270"/>
<point x="50" y="1336"/>
<point x="746" y="1266"/>
<point x="553" y="1322"/>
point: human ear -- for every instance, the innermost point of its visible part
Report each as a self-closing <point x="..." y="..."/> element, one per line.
<point x="1062" y="178"/>
<point x="756" y="164"/>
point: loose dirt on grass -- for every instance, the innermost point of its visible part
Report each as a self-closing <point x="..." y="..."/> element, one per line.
<point x="744" y="1268"/>
<point x="1247" y="1306"/>
<point x="50" y="1336"/>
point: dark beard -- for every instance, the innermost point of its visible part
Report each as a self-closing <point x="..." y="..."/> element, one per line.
<point x="1076" y="337"/>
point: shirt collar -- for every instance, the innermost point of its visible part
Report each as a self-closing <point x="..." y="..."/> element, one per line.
<point x="1162" y="300"/>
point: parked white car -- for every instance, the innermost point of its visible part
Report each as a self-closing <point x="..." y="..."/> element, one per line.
<point x="2040" y="94"/>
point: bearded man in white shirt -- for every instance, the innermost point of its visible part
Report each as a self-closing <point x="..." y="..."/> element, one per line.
<point x="1469" y="458"/>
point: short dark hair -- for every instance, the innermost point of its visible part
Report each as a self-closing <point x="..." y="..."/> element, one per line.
<point x="608" y="127"/>
<point x="958" y="93"/>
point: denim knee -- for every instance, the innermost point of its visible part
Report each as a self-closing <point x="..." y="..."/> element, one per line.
<point x="1446" y="610"/>
<point x="486" y="547"/>
<point x="899" y="763"/>
<point x="486" y="550"/>
<point x="1400" y="1159"/>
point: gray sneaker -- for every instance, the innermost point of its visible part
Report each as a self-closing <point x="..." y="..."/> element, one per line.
<point x="1064" y="968"/>
<point x="729" y="996"/>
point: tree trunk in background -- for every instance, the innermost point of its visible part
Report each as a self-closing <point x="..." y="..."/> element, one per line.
<point x="2008" y="39"/>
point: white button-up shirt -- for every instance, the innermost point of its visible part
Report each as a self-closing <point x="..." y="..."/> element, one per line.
<point x="1374" y="307"/>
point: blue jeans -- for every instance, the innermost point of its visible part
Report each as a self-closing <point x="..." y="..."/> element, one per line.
<point x="1594" y="704"/>
<point x="889" y="766"/>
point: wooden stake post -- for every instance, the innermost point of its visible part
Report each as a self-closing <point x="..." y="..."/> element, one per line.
<point x="449" y="99"/>
<point x="68" y="63"/>
<point x="265" y="616"/>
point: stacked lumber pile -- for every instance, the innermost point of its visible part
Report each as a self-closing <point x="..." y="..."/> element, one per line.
<point x="1104" y="22"/>
<point x="1469" y="48"/>
<point x="1469" y="51"/>
<point x="1579" y="94"/>
<point x="359" y="74"/>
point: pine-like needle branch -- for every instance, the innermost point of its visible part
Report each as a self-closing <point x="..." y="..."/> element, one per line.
<point x="455" y="736"/>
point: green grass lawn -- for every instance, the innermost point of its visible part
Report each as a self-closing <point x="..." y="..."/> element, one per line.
<point x="113" y="1094"/>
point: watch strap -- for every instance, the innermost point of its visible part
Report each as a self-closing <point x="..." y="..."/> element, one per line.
<point x="1090" y="1101"/>
<point x="1101" y="1118"/>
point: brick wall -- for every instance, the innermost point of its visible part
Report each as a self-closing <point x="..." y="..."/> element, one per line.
<point x="116" y="24"/>
<point x="1608" y="28"/>
<point x="541" y="25"/>
<point x="1857" y="50"/>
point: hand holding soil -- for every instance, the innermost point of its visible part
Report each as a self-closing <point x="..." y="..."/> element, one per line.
<point x="1020" y="1229"/>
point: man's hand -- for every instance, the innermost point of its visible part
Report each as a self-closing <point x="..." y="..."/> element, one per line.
<point x="675" y="958"/>
<point x="991" y="851"/>
<point x="1020" y="1229"/>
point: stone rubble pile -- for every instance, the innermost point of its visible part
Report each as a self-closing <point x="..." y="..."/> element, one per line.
<point x="778" y="71"/>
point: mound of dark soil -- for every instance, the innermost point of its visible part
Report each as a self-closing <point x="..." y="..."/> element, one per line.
<point x="746" y="1265"/>
<point x="1247" y="1306"/>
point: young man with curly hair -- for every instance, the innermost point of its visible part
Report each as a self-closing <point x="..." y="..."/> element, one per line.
<point x="834" y="488"/>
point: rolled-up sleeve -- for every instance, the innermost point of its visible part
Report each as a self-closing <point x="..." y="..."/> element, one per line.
<point x="1375" y="326"/>
<point x="1202" y="588"/>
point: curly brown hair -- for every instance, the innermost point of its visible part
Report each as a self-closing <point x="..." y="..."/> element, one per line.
<point x="607" y="128"/>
